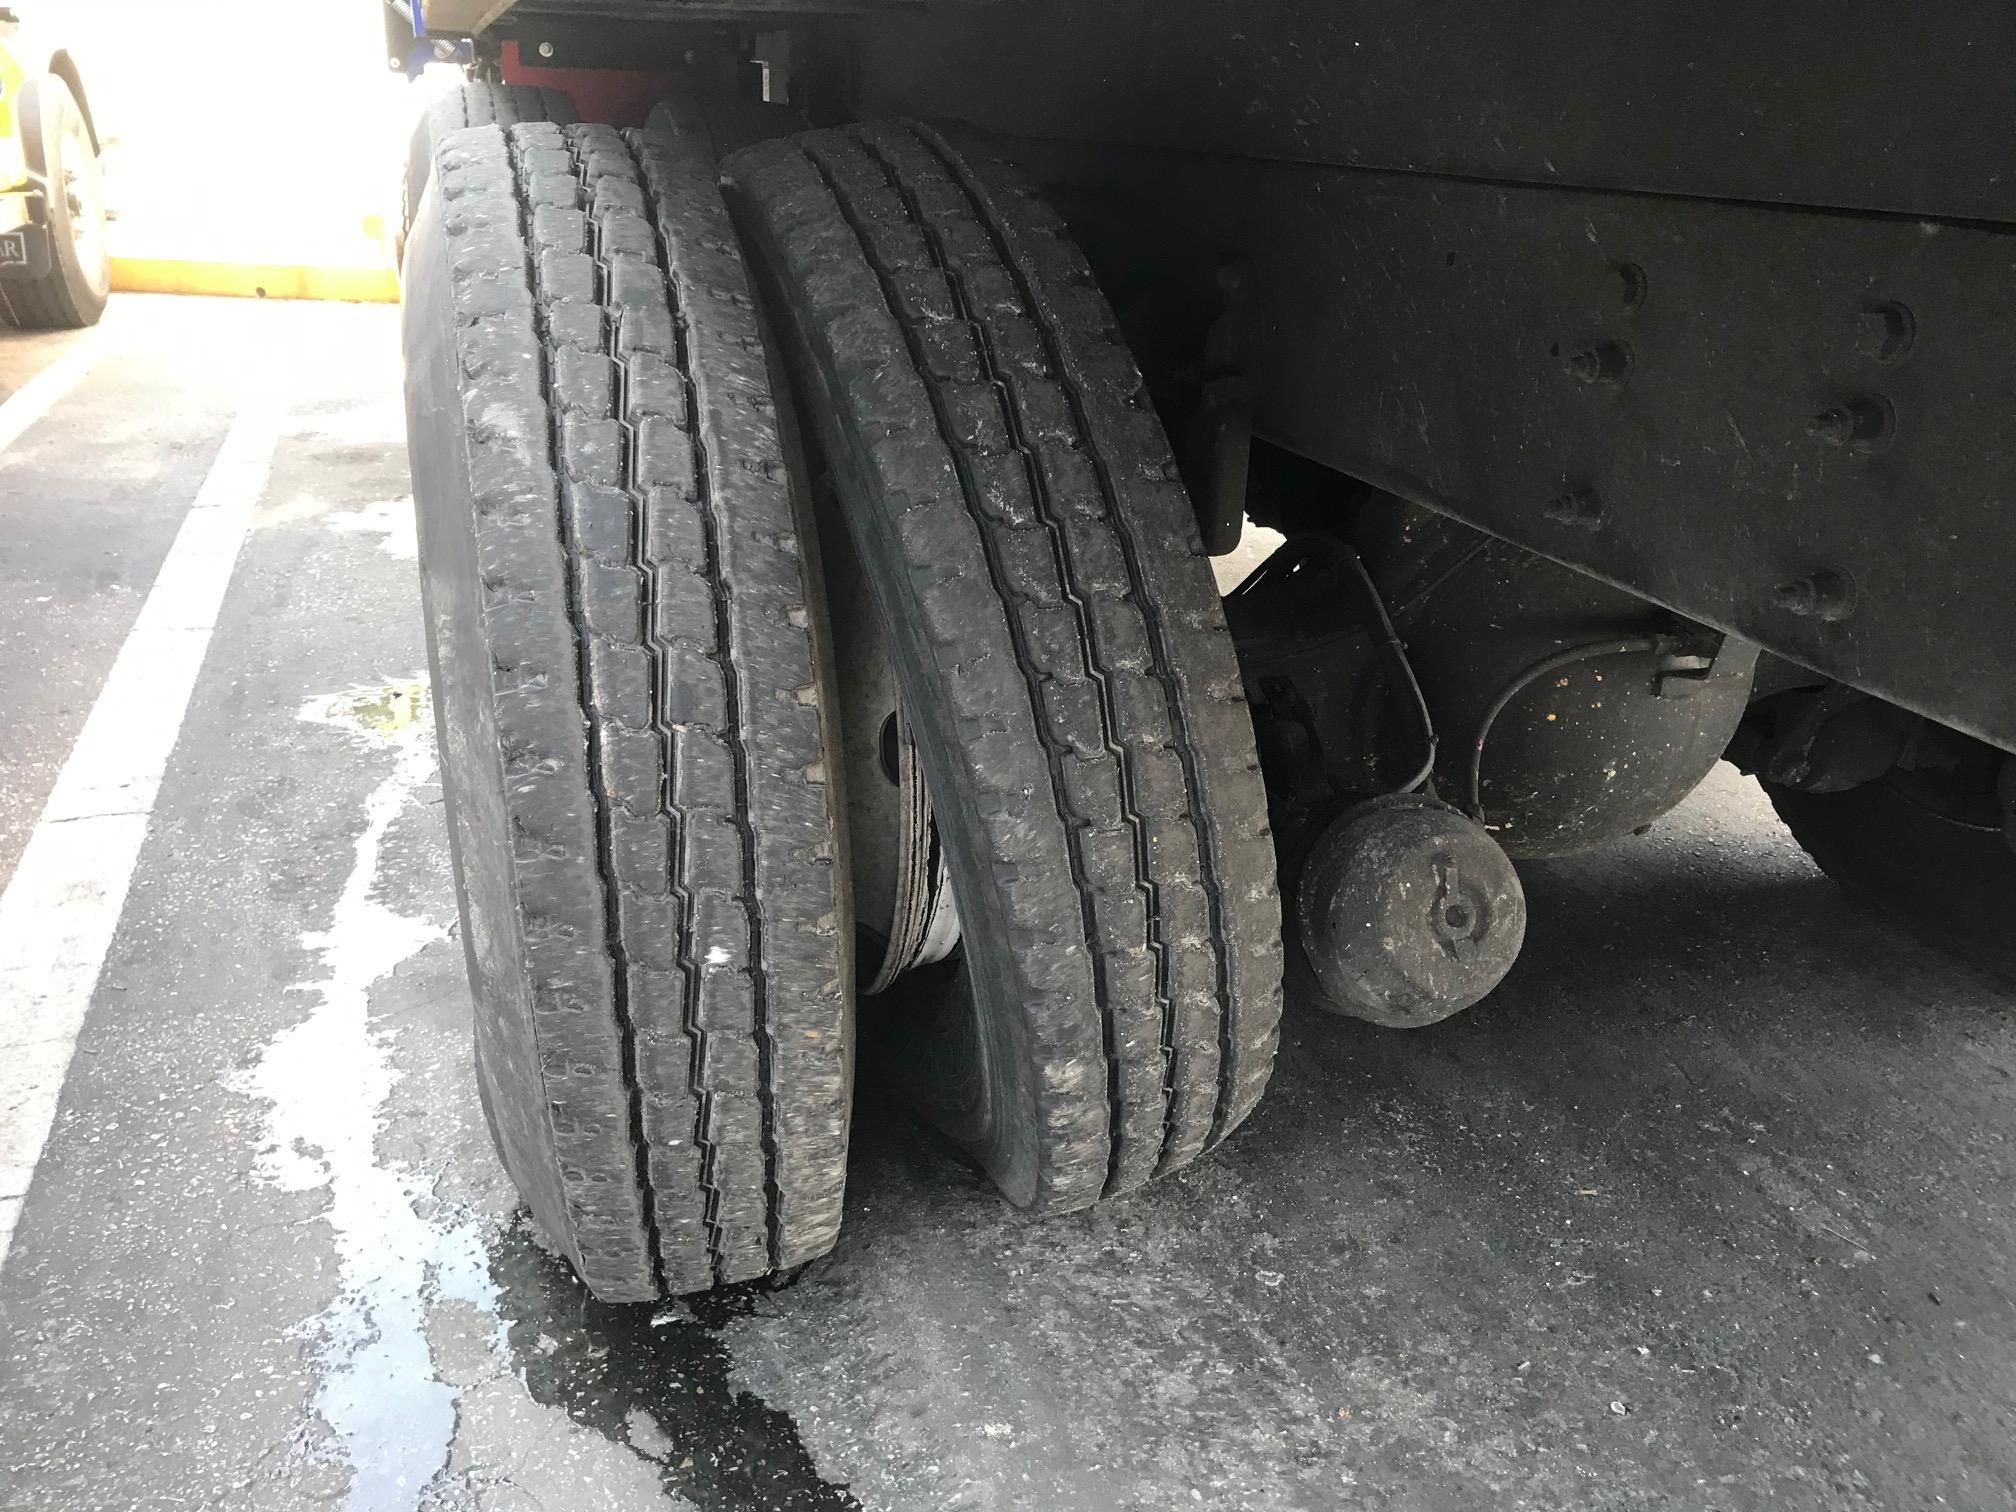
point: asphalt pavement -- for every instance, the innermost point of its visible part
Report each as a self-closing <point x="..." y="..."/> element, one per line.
<point x="1709" y="1206"/>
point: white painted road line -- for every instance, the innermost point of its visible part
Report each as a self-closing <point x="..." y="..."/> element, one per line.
<point x="39" y="395"/>
<point x="59" y="912"/>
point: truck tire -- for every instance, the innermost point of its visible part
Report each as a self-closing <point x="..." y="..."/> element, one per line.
<point x="59" y="147"/>
<point x="628" y="674"/>
<point x="473" y="104"/>
<point x="1062" y="653"/>
<point x="1951" y="872"/>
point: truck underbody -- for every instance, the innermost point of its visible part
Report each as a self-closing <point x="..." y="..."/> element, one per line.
<point x="1741" y="281"/>
<point x="1672" y="348"/>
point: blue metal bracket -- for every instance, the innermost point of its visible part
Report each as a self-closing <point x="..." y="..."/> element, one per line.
<point x="426" y="49"/>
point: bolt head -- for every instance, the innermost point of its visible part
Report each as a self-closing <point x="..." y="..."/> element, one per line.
<point x="1578" y="506"/>
<point x="1835" y="426"/>
<point x="1866" y="423"/>
<point x="1606" y="362"/>
<point x="1827" y="595"/>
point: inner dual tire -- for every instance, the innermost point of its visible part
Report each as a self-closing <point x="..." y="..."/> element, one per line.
<point x="1931" y="852"/>
<point x="1062" y="654"/>
<point x="630" y="688"/>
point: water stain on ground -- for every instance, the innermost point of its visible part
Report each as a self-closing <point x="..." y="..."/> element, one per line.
<point x="382" y="711"/>
<point x="324" y="1081"/>
<point x="461" y="1366"/>
<point x="657" y="1380"/>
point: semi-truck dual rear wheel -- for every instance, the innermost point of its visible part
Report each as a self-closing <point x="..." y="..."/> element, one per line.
<point x="1112" y="1009"/>
<point x="631" y="685"/>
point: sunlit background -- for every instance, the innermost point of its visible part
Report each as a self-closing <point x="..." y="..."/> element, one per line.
<point x="246" y="130"/>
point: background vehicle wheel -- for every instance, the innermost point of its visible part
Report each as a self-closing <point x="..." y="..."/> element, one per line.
<point x="472" y="104"/>
<point x="59" y="147"/>
<point x="629" y="685"/>
<point x="1915" y="846"/>
<point x="1061" y="651"/>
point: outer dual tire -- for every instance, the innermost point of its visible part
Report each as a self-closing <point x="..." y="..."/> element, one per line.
<point x="1061" y="650"/>
<point x="629" y="678"/>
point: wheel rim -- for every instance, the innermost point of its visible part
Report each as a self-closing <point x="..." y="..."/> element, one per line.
<point x="902" y="883"/>
<point x="83" y="191"/>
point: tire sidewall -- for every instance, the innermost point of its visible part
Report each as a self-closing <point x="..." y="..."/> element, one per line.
<point x="459" y="663"/>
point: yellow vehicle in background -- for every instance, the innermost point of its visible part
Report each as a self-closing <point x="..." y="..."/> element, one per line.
<point x="55" y="270"/>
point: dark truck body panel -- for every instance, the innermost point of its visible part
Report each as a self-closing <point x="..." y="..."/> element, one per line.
<point x="1857" y="106"/>
<point x="1432" y="336"/>
<point x="1715" y="303"/>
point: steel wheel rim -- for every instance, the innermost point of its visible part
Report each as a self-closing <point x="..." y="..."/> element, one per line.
<point x="84" y="201"/>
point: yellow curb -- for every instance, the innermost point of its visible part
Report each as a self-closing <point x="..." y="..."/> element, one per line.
<point x="175" y="275"/>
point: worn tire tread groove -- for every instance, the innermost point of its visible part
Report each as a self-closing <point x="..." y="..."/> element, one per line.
<point x="736" y="732"/>
<point x="592" y="716"/>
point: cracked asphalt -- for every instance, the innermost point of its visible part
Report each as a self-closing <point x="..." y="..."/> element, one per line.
<point x="1710" y="1206"/>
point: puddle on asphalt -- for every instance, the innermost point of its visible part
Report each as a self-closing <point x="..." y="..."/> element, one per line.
<point x="460" y="1366"/>
<point x="381" y="713"/>
<point x="658" y="1381"/>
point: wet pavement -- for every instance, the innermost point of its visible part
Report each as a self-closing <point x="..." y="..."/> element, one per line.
<point x="1709" y="1207"/>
